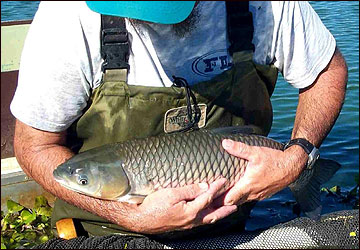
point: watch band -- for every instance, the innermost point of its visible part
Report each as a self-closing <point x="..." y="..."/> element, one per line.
<point x="309" y="148"/>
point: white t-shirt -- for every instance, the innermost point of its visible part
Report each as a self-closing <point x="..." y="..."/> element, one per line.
<point x="61" y="61"/>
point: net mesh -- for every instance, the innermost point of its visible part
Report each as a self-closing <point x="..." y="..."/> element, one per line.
<point x="337" y="230"/>
<point x="102" y="242"/>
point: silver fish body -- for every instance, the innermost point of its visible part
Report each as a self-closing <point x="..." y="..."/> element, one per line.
<point x="181" y="159"/>
<point x="131" y="170"/>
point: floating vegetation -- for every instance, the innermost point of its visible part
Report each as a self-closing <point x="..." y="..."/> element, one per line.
<point x="23" y="227"/>
<point x="350" y="197"/>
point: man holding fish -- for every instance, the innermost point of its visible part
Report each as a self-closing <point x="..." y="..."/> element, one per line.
<point x="94" y="73"/>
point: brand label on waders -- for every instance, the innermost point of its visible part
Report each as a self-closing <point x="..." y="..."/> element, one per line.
<point x="177" y="118"/>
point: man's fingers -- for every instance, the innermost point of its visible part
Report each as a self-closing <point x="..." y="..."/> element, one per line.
<point x="188" y="192"/>
<point x="209" y="212"/>
<point x="236" y="194"/>
<point x="238" y="149"/>
<point x="211" y="215"/>
<point x="203" y="200"/>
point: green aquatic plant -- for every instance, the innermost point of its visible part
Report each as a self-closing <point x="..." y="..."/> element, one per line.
<point x="349" y="197"/>
<point x="24" y="227"/>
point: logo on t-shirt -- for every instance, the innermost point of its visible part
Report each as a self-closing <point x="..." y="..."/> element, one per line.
<point x="212" y="63"/>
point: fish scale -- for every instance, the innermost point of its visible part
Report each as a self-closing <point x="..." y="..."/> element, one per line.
<point x="177" y="160"/>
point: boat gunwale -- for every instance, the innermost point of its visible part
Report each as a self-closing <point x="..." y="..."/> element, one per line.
<point x="17" y="22"/>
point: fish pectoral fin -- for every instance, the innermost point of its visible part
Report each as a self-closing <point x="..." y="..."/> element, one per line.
<point x="132" y="198"/>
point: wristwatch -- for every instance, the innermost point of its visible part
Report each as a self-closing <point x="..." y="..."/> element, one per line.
<point x="309" y="148"/>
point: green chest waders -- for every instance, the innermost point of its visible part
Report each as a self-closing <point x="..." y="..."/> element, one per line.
<point x="119" y="112"/>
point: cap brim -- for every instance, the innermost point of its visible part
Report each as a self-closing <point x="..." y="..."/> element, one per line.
<point x="166" y="12"/>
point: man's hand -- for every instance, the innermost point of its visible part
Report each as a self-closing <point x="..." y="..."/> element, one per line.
<point x="267" y="172"/>
<point x="180" y="208"/>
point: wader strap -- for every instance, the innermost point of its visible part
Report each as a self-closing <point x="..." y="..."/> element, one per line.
<point x="114" y="43"/>
<point x="239" y="26"/>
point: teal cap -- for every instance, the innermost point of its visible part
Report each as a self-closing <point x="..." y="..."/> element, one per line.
<point x="166" y="12"/>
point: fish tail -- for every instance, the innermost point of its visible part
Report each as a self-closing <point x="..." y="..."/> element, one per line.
<point x="308" y="196"/>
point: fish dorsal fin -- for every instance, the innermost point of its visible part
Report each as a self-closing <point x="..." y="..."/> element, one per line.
<point x="247" y="129"/>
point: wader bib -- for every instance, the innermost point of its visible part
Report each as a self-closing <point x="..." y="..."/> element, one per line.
<point x="118" y="112"/>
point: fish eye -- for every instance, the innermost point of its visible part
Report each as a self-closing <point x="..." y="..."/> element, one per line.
<point x="82" y="180"/>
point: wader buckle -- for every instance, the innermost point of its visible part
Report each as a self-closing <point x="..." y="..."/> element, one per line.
<point x="114" y="48"/>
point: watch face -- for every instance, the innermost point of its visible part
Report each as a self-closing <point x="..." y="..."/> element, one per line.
<point x="313" y="156"/>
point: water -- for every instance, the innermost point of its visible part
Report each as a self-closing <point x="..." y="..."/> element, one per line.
<point x="18" y="10"/>
<point x="342" y="144"/>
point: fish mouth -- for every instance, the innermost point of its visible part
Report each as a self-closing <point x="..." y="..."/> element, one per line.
<point x="59" y="179"/>
<point x="63" y="182"/>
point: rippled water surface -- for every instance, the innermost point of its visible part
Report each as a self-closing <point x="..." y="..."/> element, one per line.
<point x="342" y="144"/>
<point x="18" y="10"/>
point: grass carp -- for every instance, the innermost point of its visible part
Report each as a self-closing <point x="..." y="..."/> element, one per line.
<point x="131" y="170"/>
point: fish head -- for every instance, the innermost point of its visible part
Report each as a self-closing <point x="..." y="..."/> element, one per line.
<point x="97" y="172"/>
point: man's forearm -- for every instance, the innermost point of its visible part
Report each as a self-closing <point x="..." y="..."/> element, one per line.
<point x="318" y="108"/>
<point x="39" y="162"/>
<point x="320" y="104"/>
